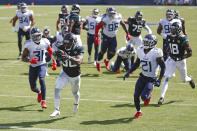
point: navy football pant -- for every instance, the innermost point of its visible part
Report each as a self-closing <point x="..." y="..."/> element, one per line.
<point x="143" y="88"/>
<point x="21" y="34"/>
<point x="165" y="47"/>
<point x="90" y="42"/>
<point x="118" y="62"/>
<point x="34" y="74"/>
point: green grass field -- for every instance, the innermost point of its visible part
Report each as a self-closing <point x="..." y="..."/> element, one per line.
<point x="106" y="100"/>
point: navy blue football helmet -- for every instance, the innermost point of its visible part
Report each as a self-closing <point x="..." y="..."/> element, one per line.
<point x="36" y="35"/>
<point x="64" y="30"/>
<point x="138" y="16"/>
<point x="170" y="14"/>
<point x="23" y="7"/>
<point x="176" y="28"/>
<point x="129" y="48"/>
<point x="149" y="41"/>
<point x="111" y="12"/>
<point x="64" y="9"/>
<point x="75" y="9"/>
<point x="69" y="40"/>
<point x="46" y="32"/>
<point x="176" y="14"/>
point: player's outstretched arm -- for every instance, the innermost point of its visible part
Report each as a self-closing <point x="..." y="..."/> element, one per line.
<point x="25" y="55"/>
<point x="188" y="50"/>
<point x="161" y="63"/>
<point x="147" y="28"/>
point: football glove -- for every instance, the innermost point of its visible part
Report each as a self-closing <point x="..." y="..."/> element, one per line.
<point x="33" y="60"/>
<point x="157" y="83"/>
<point x="13" y="29"/>
<point x="128" y="36"/>
<point x="54" y="66"/>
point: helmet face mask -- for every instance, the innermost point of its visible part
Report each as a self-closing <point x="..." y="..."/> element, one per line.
<point x="111" y="12"/>
<point x="75" y="9"/>
<point x="129" y="49"/>
<point x="175" y="29"/>
<point x="149" y="41"/>
<point x="23" y="7"/>
<point x="69" y="41"/>
<point x="46" y="32"/>
<point x="64" y="9"/>
<point x="95" y="12"/>
<point x="169" y="14"/>
<point x="138" y="16"/>
<point x="36" y="35"/>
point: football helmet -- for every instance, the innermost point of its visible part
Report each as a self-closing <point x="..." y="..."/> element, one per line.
<point x="64" y="9"/>
<point x="149" y="41"/>
<point x="138" y="16"/>
<point x="46" y="32"/>
<point x="36" y="35"/>
<point x="111" y="12"/>
<point x="129" y="48"/>
<point x="69" y="41"/>
<point x="95" y="12"/>
<point x="23" y="7"/>
<point x="169" y="14"/>
<point x="64" y="30"/>
<point x="175" y="28"/>
<point x="176" y="14"/>
<point x="18" y="5"/>
<point x="75" y="9"/>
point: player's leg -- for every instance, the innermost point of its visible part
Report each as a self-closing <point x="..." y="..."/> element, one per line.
<point x="90" y="41"/>
<point x="127" y="64"/>
<point x="42" y="74"/>
<point x="96" y="52"/>
<point x="165" y="47"/>
<point x="27" y="35"/>
<point x="75" y="86"/>
<point x="147" y="92"/>
<point x="116" y="66"/>
<point x="112" y="47"/>
<point x="170" y="69"/>
<point x="182" y="67"/>
<point x="138" y="90"/>
<point x="20" y="38"/>
<point x="61" y="82"/>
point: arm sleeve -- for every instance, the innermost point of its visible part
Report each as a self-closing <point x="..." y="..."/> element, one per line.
<point x="135" y="65"/>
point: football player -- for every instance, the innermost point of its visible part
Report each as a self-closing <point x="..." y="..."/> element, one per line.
<point x="177" y="16"/>
<point x="178" y="45"/>
<point x="110" y="23"/>
<point x="71" y="56"/>
<point x="150" y="58"/>
<point x="63" y="18"/>
<point x="92" y="21"/>
<point x="26" y="21"/>
<point x="18" y="8"/>
<point x="75" y="23"/>
<point x="164" y="29"/>
<point x="135" y="26"/>
<point x="123" y="55"/>
<point x="34" y="52"/>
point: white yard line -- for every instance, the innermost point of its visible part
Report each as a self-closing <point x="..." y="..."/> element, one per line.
<point x="31" y="129"/>
<point x="93" y="100"/>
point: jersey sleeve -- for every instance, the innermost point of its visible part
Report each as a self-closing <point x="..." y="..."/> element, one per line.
<point x="161" y="21"/>
<point x="87" y="18"/>
<point x="27" y="44"/>
<point x="31" y="13"/>
<point x="159" y="53"/>
<point x="80" y="50"/>
<point x="144" y="23"/>
<point x="185" y="40"/>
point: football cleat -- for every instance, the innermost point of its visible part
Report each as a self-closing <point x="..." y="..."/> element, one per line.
<point x="98" y="67"/>
<point x="117" y="72"/>
<point x="44" y="104"/>
<point x="192" y="84"/>
<point x="161" y="100"/>
<point x="138" y="114"/>
<point x="94" y="63"/>
<point x="106" y="64"/>
<point x="146" y="102"/>
<point x="133" y="72"/>
<point x="39" y="98"/>
<point x="55" y="113"/>
<point x="75" y="108"/>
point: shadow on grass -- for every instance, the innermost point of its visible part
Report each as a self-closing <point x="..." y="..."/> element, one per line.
<point x="142" y="105"/>
<point x="108" y="122"/>
<point x="20" y="108"/>
<point x="31" y="123"/>
<point x="8" y="59"/>
<point x="90" y="75"/>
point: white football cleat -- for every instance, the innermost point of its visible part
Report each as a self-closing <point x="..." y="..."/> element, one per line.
<point x="75" y="108"/>
<point x="55" y="113"/>
<point x="94" y="63"/>
<point x="89" y="59"/>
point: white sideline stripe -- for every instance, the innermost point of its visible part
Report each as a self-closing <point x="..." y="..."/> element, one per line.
<point x="94" y="100"/>
<point x="106" y="80"/>
<point x="31" y="129"/>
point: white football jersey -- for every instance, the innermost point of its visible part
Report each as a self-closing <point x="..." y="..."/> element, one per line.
<point x="37" y="51"/>
<point x="122" y="52"/>
<point x="59" y="36"/>
<point x="166" y="25"/>
<point x="111" y="25"/>
<point x="148" y="61"/>
<point x="24" y="18"/>
<point x="92" y="22"/>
